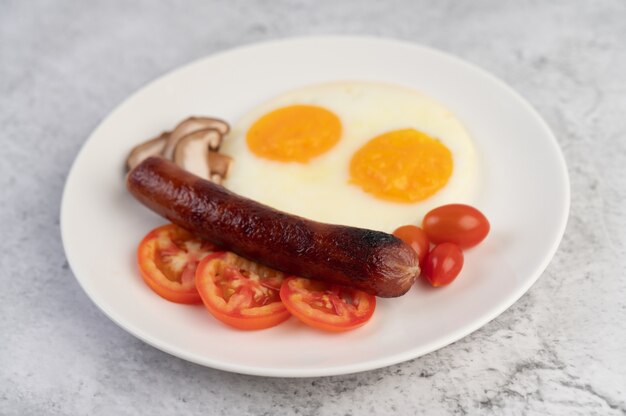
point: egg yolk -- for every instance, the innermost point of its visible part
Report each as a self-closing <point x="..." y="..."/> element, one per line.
<point x="295" y="133"/>
<point x="402" y="166"/>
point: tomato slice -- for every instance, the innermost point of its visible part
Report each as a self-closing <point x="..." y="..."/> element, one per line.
<point x="324" y="306"/>
<point x="240" y="292"/>
<point x="167" y="258"/>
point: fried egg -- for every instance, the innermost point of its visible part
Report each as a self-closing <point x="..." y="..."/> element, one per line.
<point x="363" y="154"/>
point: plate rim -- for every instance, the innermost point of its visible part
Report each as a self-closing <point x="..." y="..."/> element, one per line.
<point x="386" y="361"/>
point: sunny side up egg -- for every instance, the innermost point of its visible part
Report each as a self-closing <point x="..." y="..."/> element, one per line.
<point x="363" y="154"/>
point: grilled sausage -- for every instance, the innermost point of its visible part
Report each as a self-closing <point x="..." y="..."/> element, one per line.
<point x="372" y="261"/>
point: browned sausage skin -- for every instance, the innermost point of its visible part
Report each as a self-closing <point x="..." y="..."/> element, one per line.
<point x="373" y="261"/>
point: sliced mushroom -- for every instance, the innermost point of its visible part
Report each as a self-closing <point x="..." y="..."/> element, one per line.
<point x="191" y="125"/>
<point x="152" y="147"/>
<point x="192" y="152"/>
<point x="219" y="164"/>
<point x="217" y="179"/>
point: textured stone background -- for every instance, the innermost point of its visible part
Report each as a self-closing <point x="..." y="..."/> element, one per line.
<point x="65" y="65"/>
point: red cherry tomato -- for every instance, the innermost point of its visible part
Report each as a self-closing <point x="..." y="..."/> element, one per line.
<point x="416" y="238"/>
<point x="456" y="223"/>
<point x="443" y="265"/>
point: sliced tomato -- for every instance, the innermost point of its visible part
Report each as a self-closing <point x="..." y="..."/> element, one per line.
<point x="324" y="306"/>
<point x="240" y="292"/>
<point x="167" y="258"/>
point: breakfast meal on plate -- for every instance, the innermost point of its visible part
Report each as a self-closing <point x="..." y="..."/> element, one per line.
<point x="291" y="212"/>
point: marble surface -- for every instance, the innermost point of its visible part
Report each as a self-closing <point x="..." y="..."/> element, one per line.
<point x="65" y="65"/>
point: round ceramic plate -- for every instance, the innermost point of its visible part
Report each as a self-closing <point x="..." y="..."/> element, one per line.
<point x="524" y="191"/>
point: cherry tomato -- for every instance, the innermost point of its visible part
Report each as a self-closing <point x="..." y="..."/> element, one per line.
<point x="416" y="238"/>
<point x="444" y="264"/>
<point x="167" y="258"/>
<point x="240" y="292"/>
<point x="456" y="223"/>
<point x="324" y="306"/>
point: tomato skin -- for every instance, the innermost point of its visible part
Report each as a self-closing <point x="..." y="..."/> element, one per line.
<point x="460" y="224"/>
<point x="415" y="237"/>
<point x="190" y="297"/>
<point x="167" y="242"/>
<point x="444" y="264"/>
<point x="304" y="299"/>
<point x="245" y="315"/>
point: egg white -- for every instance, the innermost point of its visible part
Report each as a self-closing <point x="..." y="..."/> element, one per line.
<point x="320" y="190"/>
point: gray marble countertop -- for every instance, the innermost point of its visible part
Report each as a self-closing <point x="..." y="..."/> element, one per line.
<point x="561" y="349"/>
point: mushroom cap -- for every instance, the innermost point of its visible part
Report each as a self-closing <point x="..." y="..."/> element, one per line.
<point x="153" y="147"/>
<point x="191" y="125"/>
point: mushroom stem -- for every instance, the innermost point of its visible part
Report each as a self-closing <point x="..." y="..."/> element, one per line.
<point x="192" y="152"/>
<point x="219" y="164"/>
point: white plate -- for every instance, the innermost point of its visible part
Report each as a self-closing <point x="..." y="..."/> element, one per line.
<point x="524" y="192"/>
